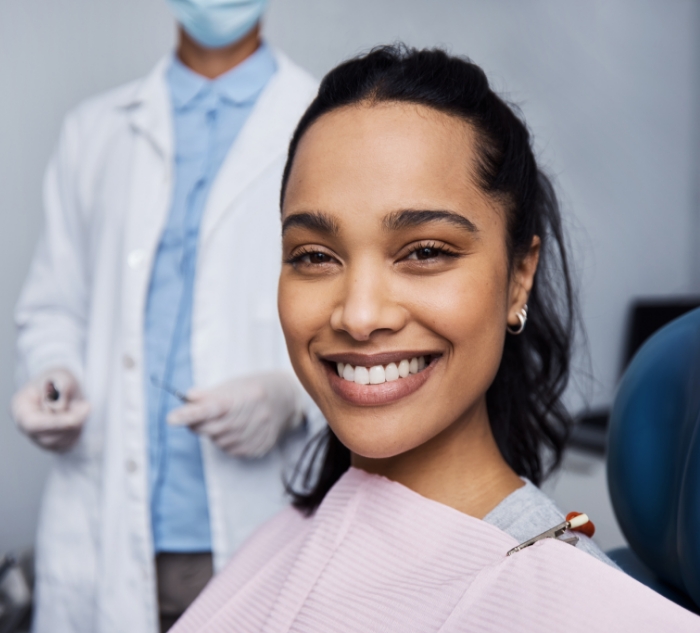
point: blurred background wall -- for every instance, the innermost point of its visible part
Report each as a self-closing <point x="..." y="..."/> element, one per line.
<point x="610" y="89"/>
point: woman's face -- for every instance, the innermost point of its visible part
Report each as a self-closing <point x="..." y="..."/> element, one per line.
<point x="395" y="290"/>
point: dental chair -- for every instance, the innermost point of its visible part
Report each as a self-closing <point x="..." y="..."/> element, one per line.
<point x="654" y="462"/>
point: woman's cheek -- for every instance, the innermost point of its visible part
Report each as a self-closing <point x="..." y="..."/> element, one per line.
<point x="454" y="304"/>
<point x="468" y="309"/>
<point x="484" y="314"/>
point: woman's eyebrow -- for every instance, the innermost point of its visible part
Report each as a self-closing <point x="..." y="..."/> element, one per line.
<point x="314" y="220"/>
<point x="410" y="218"/>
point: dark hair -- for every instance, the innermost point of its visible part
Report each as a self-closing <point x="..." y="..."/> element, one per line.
<point x="524" y="402"/>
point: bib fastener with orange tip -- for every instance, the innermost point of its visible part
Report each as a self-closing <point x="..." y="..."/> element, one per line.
<point x="575" y="522"/>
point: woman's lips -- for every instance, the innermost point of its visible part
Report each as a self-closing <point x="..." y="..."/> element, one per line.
<point x="374" y="395"/>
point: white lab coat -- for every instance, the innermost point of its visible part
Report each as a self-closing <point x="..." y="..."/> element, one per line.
<point x="107" y="196"/>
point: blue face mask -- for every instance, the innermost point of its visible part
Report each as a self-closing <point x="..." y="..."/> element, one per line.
<point x="217" y="23"/>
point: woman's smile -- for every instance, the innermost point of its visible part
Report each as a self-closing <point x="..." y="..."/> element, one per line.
<point x="378" y="379"/>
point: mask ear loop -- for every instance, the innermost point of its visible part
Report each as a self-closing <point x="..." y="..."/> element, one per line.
<point x="522" y="317"/>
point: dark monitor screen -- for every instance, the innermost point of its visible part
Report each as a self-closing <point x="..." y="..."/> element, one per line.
<point x="646" y="317"/>
<point x="649" y="315"/>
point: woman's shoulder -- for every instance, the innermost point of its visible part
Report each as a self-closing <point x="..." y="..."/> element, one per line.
<point x="528" y="512"/>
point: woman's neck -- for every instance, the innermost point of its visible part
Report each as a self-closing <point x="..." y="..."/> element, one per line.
<point x="462" y="467"/>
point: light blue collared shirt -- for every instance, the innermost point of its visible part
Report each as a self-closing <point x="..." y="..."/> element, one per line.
<point x="207" y="117"/>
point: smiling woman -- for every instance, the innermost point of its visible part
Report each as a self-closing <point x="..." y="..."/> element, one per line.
<point x="427" y="308"/>
<point x="414" y="219"/>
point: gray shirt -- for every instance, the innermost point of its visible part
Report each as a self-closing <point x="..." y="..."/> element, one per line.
<point x="528" y="512"/>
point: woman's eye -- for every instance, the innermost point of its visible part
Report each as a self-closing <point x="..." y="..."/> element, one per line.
<point x="311" y="258"/>
<point x="317" y="258"/>
<point x="426" y="252"/>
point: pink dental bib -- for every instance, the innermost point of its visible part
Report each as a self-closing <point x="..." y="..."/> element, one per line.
<point x="377" y="557"/>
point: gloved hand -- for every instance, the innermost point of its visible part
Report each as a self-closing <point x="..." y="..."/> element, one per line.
<point x="54" y="424"/>
<point x="244" y="416"/>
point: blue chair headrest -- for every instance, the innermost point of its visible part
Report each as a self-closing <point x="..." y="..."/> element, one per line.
<point x="654" y="454"/>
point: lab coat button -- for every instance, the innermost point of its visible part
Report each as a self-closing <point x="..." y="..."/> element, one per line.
<point x="128" y="361"/>
<point x="136" y="258"/>
<point x="131" y="466"/>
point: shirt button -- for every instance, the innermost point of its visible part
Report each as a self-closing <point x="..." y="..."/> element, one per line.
<point x="131" y="466"/>
<point x="128" y="362"/>
<point x="136" y="258"/>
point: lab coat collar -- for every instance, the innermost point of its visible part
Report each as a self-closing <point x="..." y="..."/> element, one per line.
<point x="148" y="109"/>
<point x="263" y="139"/>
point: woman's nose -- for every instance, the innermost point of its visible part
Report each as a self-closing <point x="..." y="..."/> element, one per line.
<point x="366" y="306"/>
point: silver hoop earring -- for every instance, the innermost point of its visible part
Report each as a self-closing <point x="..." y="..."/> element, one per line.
<point x="522" y="317"/>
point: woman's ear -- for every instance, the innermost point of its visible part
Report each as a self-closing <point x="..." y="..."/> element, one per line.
<point x="522" y="278"/>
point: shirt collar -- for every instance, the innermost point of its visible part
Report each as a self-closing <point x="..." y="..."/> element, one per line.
<point x="240" y="85"/>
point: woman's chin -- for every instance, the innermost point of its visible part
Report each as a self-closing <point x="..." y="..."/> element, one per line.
<point x="372" y="443"/>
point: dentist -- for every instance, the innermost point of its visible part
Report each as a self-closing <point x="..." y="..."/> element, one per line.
<point x="157" y="273"/>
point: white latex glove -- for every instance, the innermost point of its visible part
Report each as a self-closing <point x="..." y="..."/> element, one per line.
<point x="52" y="424"/>
<point x="245" y="416"/>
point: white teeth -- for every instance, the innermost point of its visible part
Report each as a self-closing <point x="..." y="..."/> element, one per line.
<point x="361" y="375"/>
<point x="391" y="372"/>
<point x="349" y="373"/>
<point x="379" y="374"/>
<point x="376" y="375"/>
